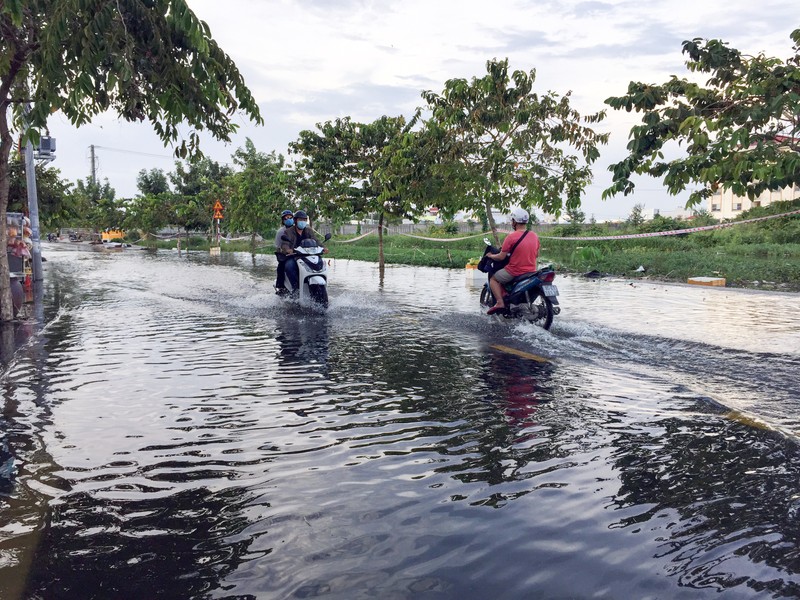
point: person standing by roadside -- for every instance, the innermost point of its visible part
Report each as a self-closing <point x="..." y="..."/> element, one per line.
<point x="287" y="222"/>
<point x="523" y="247"/>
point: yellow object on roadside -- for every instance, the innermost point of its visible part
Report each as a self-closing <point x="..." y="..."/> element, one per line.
<point x="711" y="281"/>
<point x="112" y="234"/>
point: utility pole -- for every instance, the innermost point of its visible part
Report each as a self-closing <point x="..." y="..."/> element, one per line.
<point x="33" y="211"/>
<point x="94" y="165"/>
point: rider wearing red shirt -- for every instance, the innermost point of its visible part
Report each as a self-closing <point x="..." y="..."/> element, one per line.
<point x="523" y="259"/>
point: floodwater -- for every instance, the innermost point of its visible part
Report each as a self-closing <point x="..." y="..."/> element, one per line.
<point x="170" y="429"/>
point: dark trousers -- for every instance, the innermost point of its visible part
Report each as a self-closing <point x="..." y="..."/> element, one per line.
<point x="292" y="272"/>
<point x="281" y="280"/>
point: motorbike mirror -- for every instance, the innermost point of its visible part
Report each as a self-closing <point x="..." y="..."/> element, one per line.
<point x="327" y="236"/>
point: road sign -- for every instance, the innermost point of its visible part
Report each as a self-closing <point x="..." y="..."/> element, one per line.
<point x="218" y="214"/>
<point x="217" y="206"/>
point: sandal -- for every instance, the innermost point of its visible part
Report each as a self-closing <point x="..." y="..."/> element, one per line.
<point x="495" y="309"/>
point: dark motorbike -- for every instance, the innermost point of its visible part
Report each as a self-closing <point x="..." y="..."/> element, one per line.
<point x="531" y="296"/>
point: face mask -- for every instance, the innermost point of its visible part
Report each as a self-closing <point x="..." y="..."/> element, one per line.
<point x="288" y="222"/>
<point x="302" y="224"/>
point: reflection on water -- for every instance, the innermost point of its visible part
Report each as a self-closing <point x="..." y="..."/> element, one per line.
<point x="178" y="432"/>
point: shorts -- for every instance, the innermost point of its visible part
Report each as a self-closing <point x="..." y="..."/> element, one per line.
<point x="503" y="276"/>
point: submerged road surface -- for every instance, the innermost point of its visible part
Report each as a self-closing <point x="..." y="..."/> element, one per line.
<point x="171" y="429"/>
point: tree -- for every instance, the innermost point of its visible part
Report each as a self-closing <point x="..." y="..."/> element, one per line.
<point x="576" y="218"/>
<point x="197" y="186"/>
<point x="329" y="170"/>
<point x="53" y="193"/>
<point x="154" y="207"/>
<point x="741" y="129"/>
<point x="96" y="204"/>
<point x="196" y="176"/>
<point x="418" y="170"/>
<point x="144" y="59"/>
<point x="257" y="193"/>
<point x="702" y="217"/>
<point x="517" y="144"/>
<point x="152" y="182"/>
<point x="149" y="213"/>
<point x="343" y="163"/>
<point x="636" y="217"/>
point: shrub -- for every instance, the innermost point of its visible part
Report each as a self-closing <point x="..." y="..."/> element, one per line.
<point x="661" y="223"/>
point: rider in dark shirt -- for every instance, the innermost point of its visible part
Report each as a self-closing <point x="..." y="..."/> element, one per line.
<point x="287" y="221"/>
<point x="293" y="237"/>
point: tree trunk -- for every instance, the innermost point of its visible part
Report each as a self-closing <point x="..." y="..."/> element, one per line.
<point x="253" y="244"/>
<point x="6" y="142"/>
<point x="381" y="262"/>
<point x="492" y="225"/>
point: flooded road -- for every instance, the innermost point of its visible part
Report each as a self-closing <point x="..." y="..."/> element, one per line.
<point x="173" y="430"/>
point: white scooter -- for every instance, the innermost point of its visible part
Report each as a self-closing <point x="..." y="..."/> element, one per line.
<point x="312" y="272"/>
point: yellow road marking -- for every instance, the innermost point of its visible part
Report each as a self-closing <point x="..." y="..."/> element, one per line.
<point x="735" y="415"/>
<point x="520" y="353"/>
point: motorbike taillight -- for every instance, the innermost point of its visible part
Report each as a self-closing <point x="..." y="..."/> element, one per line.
<point x="547" y="277"/>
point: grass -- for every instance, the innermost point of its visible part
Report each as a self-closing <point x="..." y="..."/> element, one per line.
<point x="669" y="258"/>
<point x="771" y="265"/>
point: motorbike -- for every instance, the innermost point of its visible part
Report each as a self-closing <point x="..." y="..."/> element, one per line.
<point x="312" y="273"/>
<point x="531" y="296"/>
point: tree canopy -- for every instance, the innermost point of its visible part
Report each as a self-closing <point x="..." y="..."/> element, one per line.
<point x="520" y="147"/>
<point x="740" y="131"/>
<point x="342" y="162"/>
<point x="257" y="193"/>
<point x="55" y="195"/>
<point x="143" y="59"/>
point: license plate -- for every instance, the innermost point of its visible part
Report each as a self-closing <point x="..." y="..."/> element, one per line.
<point x="550" y="290"/>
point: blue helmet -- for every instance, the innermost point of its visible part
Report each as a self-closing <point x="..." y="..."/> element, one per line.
<point x="300" y="214"/>
<point x="286" y="213"/>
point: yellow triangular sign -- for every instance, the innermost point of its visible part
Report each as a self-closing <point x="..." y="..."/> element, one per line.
<point x="217" y="205"/>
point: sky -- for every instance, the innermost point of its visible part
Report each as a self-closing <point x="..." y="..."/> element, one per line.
<point x="310" y="61"/>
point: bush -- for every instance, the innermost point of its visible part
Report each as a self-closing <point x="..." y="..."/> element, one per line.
<point x="568" y="230"/>
<point x="660" y="223"/>
<point x="445" y="229"/>
<point x="789" y="234"/>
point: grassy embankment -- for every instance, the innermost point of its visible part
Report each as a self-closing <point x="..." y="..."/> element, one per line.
<point x="764" y="254"/>
<point x="767" y="252"/>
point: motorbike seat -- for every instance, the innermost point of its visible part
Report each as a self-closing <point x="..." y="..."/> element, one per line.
<point x="519" y="278"/>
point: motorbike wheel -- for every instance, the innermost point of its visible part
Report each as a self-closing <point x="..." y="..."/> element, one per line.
<point x="319" y="295"/>
<point x="540" y="309"/>
<point x="487" y="297"/>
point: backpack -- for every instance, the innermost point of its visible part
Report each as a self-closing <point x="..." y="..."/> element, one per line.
<point x="487" y="265"/>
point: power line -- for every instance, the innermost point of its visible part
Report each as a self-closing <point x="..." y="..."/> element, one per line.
<point x="134" y="152"/>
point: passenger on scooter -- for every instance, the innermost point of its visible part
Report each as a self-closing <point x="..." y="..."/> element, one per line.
<point x="293" y="237"/>
<point x="523" y="259"/>
<point x="287" y="222"/>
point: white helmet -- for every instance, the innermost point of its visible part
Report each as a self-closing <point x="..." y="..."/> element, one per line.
<point x="520" y="215"/>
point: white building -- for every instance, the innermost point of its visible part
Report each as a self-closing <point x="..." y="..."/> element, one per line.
<point x="725" y="205"/>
